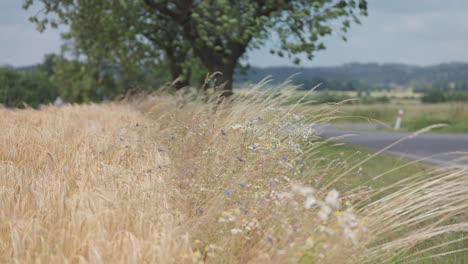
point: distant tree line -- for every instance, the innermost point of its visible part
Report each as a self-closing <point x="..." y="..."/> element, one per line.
<point x="368" y="76"/>
<point x="73" y="80"/>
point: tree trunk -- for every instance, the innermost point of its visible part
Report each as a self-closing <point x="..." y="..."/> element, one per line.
<point x="175" y="62"/>
<point x="224" y="80"/>
<point x="179" y="78"/>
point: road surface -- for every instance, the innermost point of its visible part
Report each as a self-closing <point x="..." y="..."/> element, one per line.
<point x="441" y="149"/>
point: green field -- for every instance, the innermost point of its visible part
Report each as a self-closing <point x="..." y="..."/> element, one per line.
<point x="383" y="107"/>
<point x="416" y="115"/>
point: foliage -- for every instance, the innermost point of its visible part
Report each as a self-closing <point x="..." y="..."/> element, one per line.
<point x="218" y="33"/>
<point x="434" y="96"/>
<point x="32" y="88"/>
<point x="80" y="82"/>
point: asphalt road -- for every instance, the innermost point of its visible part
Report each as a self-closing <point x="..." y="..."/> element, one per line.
<point x="441" y="149"/>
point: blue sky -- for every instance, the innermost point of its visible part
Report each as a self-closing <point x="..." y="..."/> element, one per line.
<point x="421" y="32"/>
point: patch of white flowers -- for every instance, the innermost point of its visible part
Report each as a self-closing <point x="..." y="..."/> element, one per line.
<point x="331" y="206"/>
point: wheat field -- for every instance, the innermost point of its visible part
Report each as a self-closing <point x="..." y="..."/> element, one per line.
<point x="179" y="179"/>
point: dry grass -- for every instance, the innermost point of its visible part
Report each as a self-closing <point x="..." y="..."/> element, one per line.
<point x="168" y="179"/>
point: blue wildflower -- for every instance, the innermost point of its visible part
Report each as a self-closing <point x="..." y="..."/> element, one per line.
<point x="223" y="132"/>
<point x="259" y="118"/>
<point x="270" y="239"/>
<point x="200" y="210"/>
<point x="302" y="163"/>
<point x="284" y="158"/>
<point x="240" y="159"/>
<point x="254" y="147"/>
<point x="228" y="192"/>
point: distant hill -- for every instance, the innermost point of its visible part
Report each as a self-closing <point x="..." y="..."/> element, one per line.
<point x="369" y="75"/>
<point x="358" y="76"/>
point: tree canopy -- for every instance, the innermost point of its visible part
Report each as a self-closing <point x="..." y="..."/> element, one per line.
<point x="213" y="33"/>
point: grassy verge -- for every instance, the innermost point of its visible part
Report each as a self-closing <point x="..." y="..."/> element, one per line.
<point x="380" y="172"/>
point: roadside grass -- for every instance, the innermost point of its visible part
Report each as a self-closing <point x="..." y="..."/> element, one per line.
<point x="379" y="173"/>
<point x="195" y="179"/>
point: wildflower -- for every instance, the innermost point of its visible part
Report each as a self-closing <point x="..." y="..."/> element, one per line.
<point x="200" y="210"/>
<point x="281" y="252"/>
<point x="259" y="118"/>
<point x="309" y="201"/>
<point x="324" y="212"/>
<point x="240" y="159"/>
<point x="239" y="202"/>
<point x="159" y="167"/>
<point x="303" y="190"/>
<point x="347" y="218"/>
<point x="270" y="239"/>
<point x="236" y="231"/>
<point x="284" y="158"/>
<point x="332" y="199"/>
<point x="254" y="147"/>
<point x="302" y="163"/>
<point x="227" y="217"/>
<point x="351" y="235"/>
<point x="228" y="192"/>
<point x="223" y="132"/>
<point x="249" y="225"/>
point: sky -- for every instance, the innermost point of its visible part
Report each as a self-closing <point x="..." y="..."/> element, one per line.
<point x="419" y="32"/>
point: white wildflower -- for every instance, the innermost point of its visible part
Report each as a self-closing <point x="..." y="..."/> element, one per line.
<point x="332" y="199"/>
<point x="281" y="252"/>
<point x="303" y="190"/>
<point x="351" y="235"/>
<point x="309" y="201"/>
<point x="324" y="212"/>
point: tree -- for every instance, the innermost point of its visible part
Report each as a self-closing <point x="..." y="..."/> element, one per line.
<point x="83" y="82"/>
<point x="434" y="96"/>
<point x="30" y="87"/>
<point x="8" y="83"/>
<point x="216" y="32"/>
